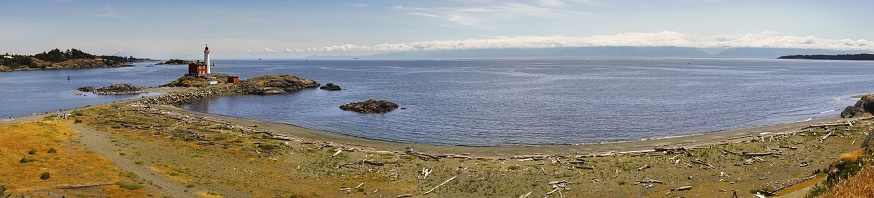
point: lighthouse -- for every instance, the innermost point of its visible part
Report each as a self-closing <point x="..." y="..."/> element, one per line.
<point x="206" y="58"/>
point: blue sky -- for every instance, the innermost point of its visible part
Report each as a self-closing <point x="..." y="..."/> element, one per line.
<point x="293" y="29"/>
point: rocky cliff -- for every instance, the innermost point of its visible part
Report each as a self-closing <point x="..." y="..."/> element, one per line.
<point x="863" y="107"/>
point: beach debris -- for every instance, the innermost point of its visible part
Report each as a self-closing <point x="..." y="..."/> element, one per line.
<point x="722" y="174"/>
<point x="788" y="147"/>
<point x="803" y="164"/>
<point x="526" y="194"/>
<point x="702" y="162"/>
<point x="84" y="185"/>
<point x="542" y="170"/>
<point x="826" y="136"/>
<point x="558" y="186"/>
<point x="644" y="167"/>
<point x="374" y="192"/>
<point x="347" y="189"/>
<point x="426" y="172"/>
<point x="373" y="162"/>
<point x="337" y="153"/>
<point x="584" y="167"/>
<point x="441" y="184"/>
<point x="648" y="183"/>
<point x="595" y="180"/>
<point x="422" y="156"/>
<point x="404" y="195"/>
<point x="758" y="154"/>
<point x="848" y="123"/>
<point x="681" y="188"/>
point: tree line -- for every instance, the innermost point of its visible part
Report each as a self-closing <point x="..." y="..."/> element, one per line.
<point x="56" y="55"/>
<point x="862" y="56"/>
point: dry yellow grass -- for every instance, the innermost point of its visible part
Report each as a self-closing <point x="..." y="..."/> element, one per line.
<point x="862" y="185"/>
<point x="68" y="165"/>
<point x="852" y="157"/>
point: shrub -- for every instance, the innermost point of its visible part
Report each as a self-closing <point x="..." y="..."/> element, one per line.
<point x="3" y="193"/>
<point x="45" y="176"/>
<point x="129" y="186"/>
<point x="52" y="150"/>
<point x="25" y="160"/>
<point x="32" y="152"/>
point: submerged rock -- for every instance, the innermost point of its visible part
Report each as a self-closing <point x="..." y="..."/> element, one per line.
<point x="370" y="106"/>
<point x="86" y="89"/>
<point x="863" y="107"/>
<point x="331" y="87"/>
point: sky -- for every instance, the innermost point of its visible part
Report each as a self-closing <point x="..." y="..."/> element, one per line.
<point x="163" y="29"/>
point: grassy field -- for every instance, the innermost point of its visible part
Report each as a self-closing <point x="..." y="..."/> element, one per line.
<point x="218" y="158"/>
<point x="45" y="159"/>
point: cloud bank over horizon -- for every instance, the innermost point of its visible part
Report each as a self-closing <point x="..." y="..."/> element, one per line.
<point x="658" y="39"/>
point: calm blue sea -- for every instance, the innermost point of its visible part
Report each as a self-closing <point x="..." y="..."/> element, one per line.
<point x="500" y="102"/>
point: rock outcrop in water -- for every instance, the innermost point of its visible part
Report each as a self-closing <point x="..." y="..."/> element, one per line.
<point x="331" y="87"/>
<point x="863" y="107"/>
<point x="271" y="84"/>
<point x="114" y="89"/>
<point x="275" y="84"/>
<point x="370" y="106"/>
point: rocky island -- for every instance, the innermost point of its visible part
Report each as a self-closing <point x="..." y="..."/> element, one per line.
<point x="370" y="106"/>
<point x="331" y="87"/>
<point x="114" y="89"/>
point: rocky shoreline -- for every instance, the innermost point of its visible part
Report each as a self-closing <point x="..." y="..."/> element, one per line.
<point x="270" y="84"/>
<point x="114" y="89"/>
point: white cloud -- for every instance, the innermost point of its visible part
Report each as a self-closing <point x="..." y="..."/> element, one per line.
<point x="488" y="14"/>
<point x="551" y="3"/>
<point x="109" y="12"/>
<point x="269" y="50"/>
<point x="360" y="5"/>
<point x="665" y="38"/>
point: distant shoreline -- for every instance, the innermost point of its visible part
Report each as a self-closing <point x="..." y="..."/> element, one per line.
<point x="862" y="56"/>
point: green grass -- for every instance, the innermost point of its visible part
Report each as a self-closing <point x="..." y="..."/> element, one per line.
<point x="45" y="176"/>
<point x="129" y="185"/>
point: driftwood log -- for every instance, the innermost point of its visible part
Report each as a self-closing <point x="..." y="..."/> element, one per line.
<point x="441" y="184"/>
<point x="681" y="188"/>
<point x="422" y="156"/>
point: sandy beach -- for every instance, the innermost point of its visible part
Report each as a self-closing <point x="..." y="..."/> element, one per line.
<point x="700" y="139"/>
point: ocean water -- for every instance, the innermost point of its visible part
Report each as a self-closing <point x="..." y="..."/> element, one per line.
<point x="501" y="102"/>
<point x="28" y="92"/>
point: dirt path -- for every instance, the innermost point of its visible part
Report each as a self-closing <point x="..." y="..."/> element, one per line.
<point x="100" y="143"/>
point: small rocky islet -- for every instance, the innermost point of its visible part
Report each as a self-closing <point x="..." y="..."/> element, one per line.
<point x="370" y="106"/>
<point x="114" y="89"/>
<point x="331" y="87"/>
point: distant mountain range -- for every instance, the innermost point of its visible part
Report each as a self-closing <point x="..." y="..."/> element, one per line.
<point x="597" y="52"/>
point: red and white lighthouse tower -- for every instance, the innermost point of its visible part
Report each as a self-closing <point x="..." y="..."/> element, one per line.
<point x="206" y="58"/>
